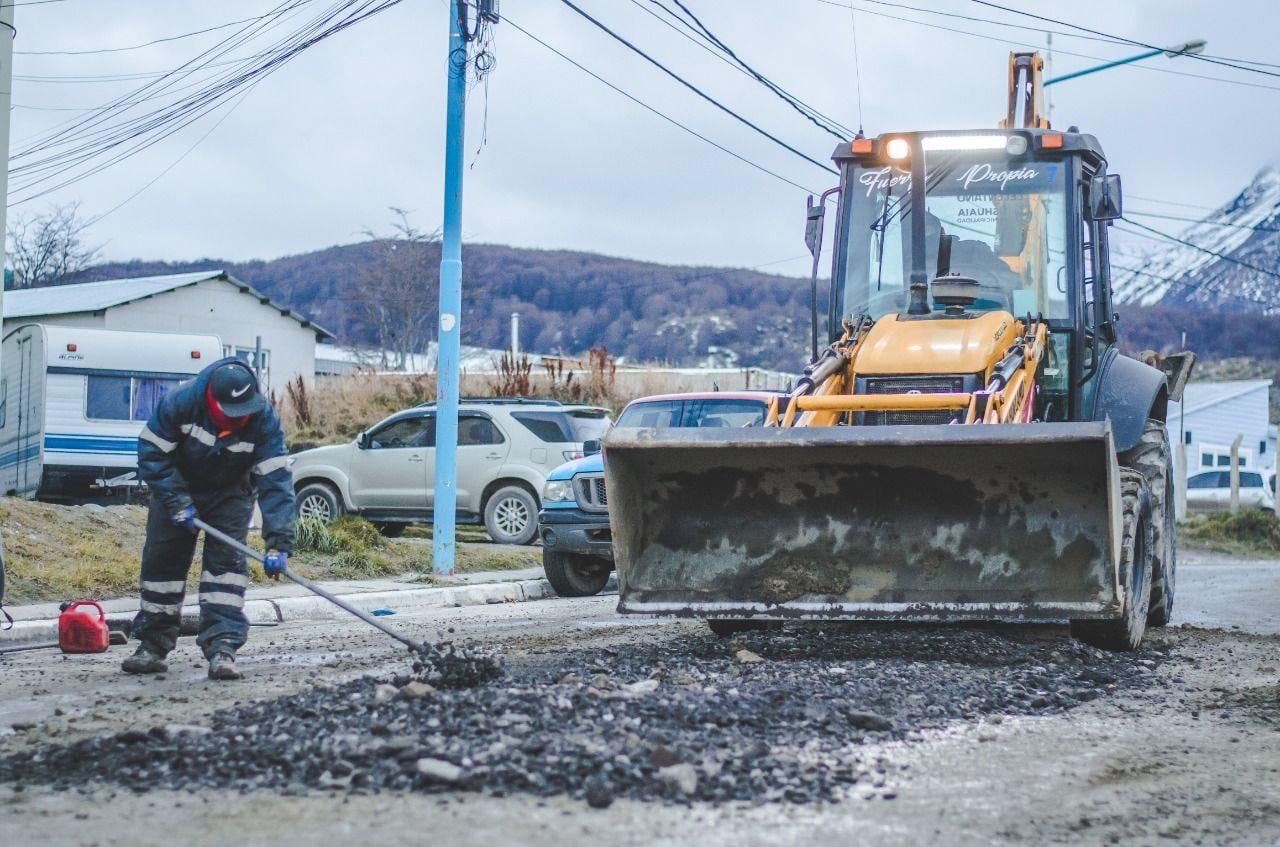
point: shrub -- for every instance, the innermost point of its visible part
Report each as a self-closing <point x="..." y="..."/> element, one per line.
<point x="1251" y="527"/>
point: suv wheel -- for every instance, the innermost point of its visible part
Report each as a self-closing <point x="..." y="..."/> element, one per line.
<point x="511" y="516"/>
<point x="318" y="502"/>
<point x="575" y="574"/>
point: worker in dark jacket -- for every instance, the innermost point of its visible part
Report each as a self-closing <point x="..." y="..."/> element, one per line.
<point x="211" y="444"/>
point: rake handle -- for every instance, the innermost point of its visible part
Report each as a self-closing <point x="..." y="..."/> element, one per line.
<point x="213" y="532"/>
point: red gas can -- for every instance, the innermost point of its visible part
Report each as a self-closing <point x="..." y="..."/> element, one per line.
<point x="80" y="630"/>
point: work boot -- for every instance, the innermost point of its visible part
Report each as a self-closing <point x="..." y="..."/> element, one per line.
<point x="223" y="666"/>
<point x="144" y="660"/>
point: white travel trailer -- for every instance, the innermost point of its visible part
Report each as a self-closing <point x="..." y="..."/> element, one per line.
<point x="73" y="401"/>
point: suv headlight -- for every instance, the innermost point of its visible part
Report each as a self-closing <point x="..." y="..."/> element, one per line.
<point x="557" y="491"/>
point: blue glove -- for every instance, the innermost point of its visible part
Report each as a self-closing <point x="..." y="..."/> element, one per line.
<point x="185" y="517"/>
<point x="275" y="563"/>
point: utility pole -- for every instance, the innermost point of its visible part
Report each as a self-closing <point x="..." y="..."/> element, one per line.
<point x="515" y="335"/>
<point x="444" y="507"/>
<point x="7" y="35"/>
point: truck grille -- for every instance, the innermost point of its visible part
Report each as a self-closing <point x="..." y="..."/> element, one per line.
<point x="908" y="385"/>
<point x="590" y="493"/>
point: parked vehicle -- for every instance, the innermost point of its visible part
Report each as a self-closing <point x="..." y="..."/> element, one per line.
<point x="73" y="401"/>
<point x="577" y="544"/>
<point x="1211" y="492"/>
<point x="505" y="449"/>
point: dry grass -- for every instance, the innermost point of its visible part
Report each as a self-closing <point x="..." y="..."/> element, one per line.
<point x="1251" y="532"/>
<point x="55" y="552"/>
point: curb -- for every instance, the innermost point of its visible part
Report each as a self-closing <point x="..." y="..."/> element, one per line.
<point x="311" y="607"/>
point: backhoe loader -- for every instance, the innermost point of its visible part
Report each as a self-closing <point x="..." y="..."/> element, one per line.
<point x="970" y="443"/>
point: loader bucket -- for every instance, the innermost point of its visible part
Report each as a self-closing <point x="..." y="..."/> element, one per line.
<point x="1003" y="522"/>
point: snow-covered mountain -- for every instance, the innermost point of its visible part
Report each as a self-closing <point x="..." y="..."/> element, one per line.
<point x="1246" y="229"/>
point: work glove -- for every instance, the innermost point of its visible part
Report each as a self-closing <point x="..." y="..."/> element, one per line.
<point x="185" y="517"/>
<point x="275" y="563"/>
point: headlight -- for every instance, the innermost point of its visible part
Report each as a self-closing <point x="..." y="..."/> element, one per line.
<point x="557" y="491"/>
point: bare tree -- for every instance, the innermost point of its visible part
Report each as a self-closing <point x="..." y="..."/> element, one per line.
<point x="397" y="296"/>
<point x="45" y="249"/>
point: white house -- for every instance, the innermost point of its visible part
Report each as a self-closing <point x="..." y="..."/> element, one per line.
<point x="1212" y="414"/>
<point x="211" y="302"/>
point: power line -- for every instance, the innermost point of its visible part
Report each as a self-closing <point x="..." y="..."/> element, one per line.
<point x="840" y="132"/>
<point x="1170" y="202"/>
<point x="136" y="46"/>
<point x="702" y="44"/>
<point x="1211" y="60"/>
<point x="1058" y="51"/>
<point x="695" y="89"/>
<point x="1256" y="301"/>
<point x="175" y="162"/>
<point x="149" y="129"/>
<point x="1201" y="221"/>
<point x="1205" y="250"/>
<point x="663" y="115"/>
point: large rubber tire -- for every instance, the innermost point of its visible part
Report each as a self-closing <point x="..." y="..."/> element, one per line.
<point x="574" y="574"/>
<point x="723" y="628"/>
<point x="1125" y="632"/>
<point x="317" y="501"/>
<point x="1153" y="458"/>
<point x="511" y="516"/>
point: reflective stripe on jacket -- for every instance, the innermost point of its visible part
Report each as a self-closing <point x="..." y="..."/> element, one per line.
<point x="179" y="451"/>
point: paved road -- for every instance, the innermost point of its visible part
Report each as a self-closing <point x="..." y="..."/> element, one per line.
<point x="1201" y="764"/>
<point x="1216" y="590"/>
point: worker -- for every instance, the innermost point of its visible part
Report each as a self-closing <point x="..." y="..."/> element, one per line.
<point x="210" y="446"/>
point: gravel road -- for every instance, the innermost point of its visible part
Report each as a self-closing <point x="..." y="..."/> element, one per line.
<point x="887" y="735"/>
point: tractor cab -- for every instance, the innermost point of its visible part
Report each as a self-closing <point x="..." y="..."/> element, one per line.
<point x="961" y="225"/>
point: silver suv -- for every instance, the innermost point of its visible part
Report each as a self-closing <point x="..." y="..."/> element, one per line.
<point x="505" y="449"/>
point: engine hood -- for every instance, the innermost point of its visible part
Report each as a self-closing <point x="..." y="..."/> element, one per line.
<point x="936" y="345"/>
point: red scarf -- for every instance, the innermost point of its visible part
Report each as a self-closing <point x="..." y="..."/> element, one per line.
<point x="224" y="424"/>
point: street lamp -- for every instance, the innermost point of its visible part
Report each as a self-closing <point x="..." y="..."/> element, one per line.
<point x="1190" y="48"/>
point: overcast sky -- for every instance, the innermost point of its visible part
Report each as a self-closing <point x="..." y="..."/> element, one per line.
<point x="318" y="151"/>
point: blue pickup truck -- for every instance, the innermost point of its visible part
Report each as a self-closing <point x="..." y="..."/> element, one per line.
<point x="577" y="543"/>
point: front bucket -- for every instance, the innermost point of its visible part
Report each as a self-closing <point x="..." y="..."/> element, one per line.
<point x="1008" y="522"/>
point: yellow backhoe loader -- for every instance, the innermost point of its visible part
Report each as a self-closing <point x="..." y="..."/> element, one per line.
<point x="970" y="444"/>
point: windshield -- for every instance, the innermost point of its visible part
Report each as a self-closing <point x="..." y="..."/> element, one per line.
<point x="1007" y="220"/>
<point x="694" y="412"/>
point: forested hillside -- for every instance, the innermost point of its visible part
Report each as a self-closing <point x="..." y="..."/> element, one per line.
<point x="568" y="301"/>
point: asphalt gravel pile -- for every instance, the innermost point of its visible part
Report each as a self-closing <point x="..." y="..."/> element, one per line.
<point x="790" y="716"/>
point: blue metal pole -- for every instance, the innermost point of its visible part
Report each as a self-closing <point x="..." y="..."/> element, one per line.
<point x="1138" y="58"/>
<point x="446" y="492"/>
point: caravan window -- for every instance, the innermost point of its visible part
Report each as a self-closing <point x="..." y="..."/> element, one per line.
<point x="123" y="398"/>
<point x="147" y="392"/>
<point x="108" y="398"/>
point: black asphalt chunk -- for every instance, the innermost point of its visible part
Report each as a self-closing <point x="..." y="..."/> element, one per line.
<point x="676" y="720"/>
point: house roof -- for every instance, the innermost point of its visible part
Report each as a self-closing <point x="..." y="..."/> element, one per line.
<point x="96" y="296"/>
<point x="1201" y="395"/>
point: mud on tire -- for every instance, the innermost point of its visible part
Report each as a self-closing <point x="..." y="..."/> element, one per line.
<point x="1153" y="458"/>
<point x="1126" y="631"/>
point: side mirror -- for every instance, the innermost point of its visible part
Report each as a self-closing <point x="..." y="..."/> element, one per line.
<point x="362" y="440"/>
<point x="1105" y="201"/>
<point x="591" y="447"/>
<point x="813" y="225"/>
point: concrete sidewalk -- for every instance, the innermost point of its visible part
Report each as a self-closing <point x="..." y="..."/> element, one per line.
<point x="37" y="623"/>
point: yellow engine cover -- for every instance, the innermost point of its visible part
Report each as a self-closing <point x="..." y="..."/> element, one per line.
<point x="936" y="345"/>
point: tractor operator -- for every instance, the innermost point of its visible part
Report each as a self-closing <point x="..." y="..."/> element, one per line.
<point x="210" y="447"/>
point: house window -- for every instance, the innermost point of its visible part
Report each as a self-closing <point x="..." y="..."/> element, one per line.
<point x="1219" y="456"/>
<point x="248" y="356"/>
<point x="1187" y="440"/>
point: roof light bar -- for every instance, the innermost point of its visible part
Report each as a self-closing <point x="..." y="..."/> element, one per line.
<point x="964" y="142"/>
